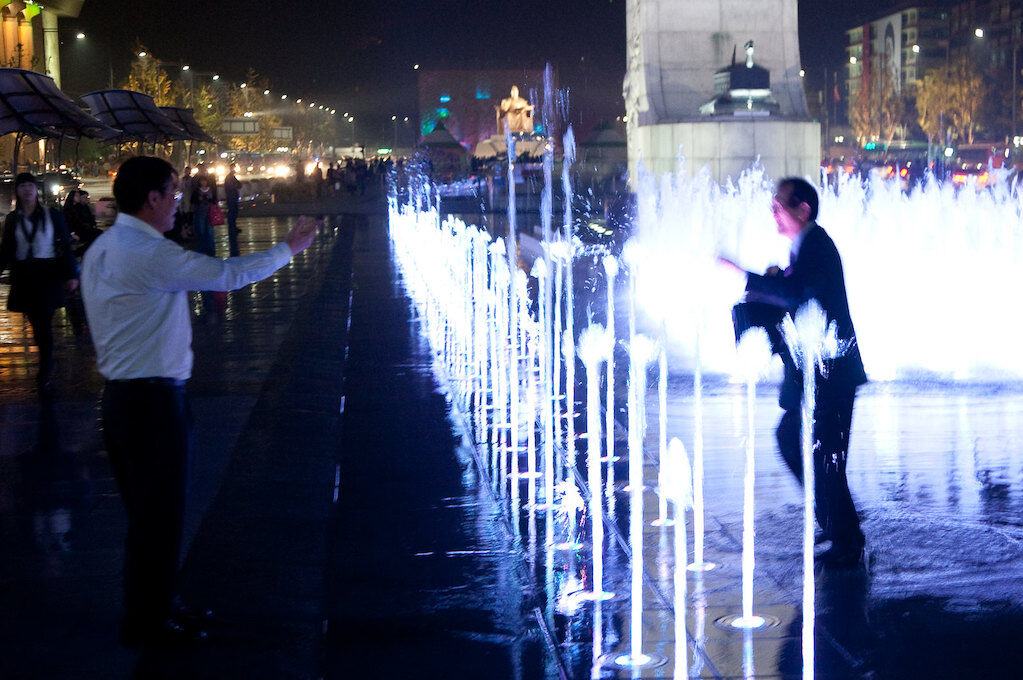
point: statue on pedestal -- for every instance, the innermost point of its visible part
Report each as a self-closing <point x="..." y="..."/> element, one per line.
<point x="515" y="114"/>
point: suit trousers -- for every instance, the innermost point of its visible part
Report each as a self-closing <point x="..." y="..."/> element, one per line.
<point x="834" y="507"/>
<point x="147" y="427"/>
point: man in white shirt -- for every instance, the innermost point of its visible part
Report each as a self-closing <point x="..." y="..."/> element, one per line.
<point x="135" y="287"/>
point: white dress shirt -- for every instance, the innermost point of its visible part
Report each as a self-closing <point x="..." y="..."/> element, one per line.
<point x="135" y="287"/>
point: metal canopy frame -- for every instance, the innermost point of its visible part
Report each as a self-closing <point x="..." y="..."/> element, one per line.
<point x="32" y="105"/>
<point x="185" y="119"/>
<point x="135" y="115"/>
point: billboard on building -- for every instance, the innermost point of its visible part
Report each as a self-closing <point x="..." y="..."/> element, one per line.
<point x="237" y="127"/>
<point x="887" y="34"/>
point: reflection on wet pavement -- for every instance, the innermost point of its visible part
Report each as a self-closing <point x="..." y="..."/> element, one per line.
<point x="429" y="575"/>
<point x="61" y="520"/>
<point x="935" y="470"/>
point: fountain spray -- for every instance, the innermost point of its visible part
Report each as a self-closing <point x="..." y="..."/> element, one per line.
<point x="754" y="355"/>
<point x="810" y="340"/>
<point x="594" y="347"/>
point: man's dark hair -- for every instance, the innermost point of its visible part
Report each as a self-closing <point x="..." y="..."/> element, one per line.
<point x="138" y="176"/>
<point x="801" y="191"/>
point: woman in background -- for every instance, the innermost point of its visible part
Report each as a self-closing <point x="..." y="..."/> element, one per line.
<point x="36" y="247"/>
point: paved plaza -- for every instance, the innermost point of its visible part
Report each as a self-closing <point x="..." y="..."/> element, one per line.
<point x="339" y="525"/>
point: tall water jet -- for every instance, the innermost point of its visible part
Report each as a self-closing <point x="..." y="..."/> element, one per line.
<point x="662" y="441"/>
<point x="610" y="272"/>
<point x="569" y="157"/>
<point x="754" y="356"/>
<point x="811" y="340"/>
<point x="679" y="481"/>
<point x="641" y="352"/>
<point x="499" y="424"/>
<point x="546" y="417"/>
<point x="569" y="507"/>
<point x="594" y="347"/>
<point x="699" y="563"/>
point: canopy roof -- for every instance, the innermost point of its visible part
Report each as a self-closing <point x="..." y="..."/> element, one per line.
<point x="185" y="119"/>
<point x="31" y="103"/>
<point x="134" y="114"/>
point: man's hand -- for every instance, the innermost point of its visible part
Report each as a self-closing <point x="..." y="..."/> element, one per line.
<point x="302" y="234"/>
<point x="72" y="285"/>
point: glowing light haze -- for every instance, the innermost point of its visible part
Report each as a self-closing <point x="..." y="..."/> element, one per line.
<point x="930" y="274"/>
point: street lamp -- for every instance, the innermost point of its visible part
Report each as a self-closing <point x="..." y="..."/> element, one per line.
<point x="351" y="119"/>
<point x="81" y="60"/>
<point x="394" y="120"/>
<point x="1015" y="75"/>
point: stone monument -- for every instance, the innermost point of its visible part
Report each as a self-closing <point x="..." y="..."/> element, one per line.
<point x="676" y="50"/>
<point x="514" y="115"/>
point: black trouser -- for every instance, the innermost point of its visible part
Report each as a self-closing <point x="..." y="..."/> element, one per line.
<point x="836" y="513"/>
<point x="232" y="228"/>
<point x="41" y="321"/>
<point x="147" y="427"/>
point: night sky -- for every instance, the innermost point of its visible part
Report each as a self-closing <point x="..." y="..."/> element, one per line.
<point x="358" y="56"/>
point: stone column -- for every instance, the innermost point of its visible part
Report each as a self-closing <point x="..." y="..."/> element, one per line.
<point x="26" y="37"/>
<point x="675" y="46"/>
<point x="51" y="46"/>
<point x="10" y="32"/>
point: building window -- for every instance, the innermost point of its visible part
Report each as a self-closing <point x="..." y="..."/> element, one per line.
<point x="482" y="92"/>
<point x="445" y="98"/>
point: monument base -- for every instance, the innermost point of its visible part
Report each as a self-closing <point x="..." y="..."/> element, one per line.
<point x="728" y="146"/>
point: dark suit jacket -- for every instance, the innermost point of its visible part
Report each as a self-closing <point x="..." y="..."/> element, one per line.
<point x="38" y="285"/>
<point x="815" y="274"/>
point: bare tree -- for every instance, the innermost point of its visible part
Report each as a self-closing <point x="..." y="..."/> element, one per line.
<point x="878" y="110"/>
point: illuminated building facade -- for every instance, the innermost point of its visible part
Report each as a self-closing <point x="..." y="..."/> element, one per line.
<point x="464" y="101"/>
<point x="29" y="38"/>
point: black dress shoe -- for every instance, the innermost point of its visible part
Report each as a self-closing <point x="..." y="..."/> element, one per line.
<point x="170" y="632"/>
<point x="177" y="631"/>
<point x="841" y="557"/>
<point x="182" y="611"/>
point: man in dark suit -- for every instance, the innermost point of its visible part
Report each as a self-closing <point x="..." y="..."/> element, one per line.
<point x="815" y="272"/>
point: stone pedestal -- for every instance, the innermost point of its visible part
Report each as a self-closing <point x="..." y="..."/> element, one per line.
<point x="728" y="146"/>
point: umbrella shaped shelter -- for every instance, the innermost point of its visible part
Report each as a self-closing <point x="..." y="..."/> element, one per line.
<point x="136" y="116"/>
<point x="447" y="156"/>
<point x="185" y="119"/>
<point x="489" y="148"/>
<point x="32" y="105"/>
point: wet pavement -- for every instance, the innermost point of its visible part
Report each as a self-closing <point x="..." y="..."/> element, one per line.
<point x="339" y="525"/>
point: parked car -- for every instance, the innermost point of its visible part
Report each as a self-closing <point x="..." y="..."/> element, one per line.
<point x="56" y="185"/>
